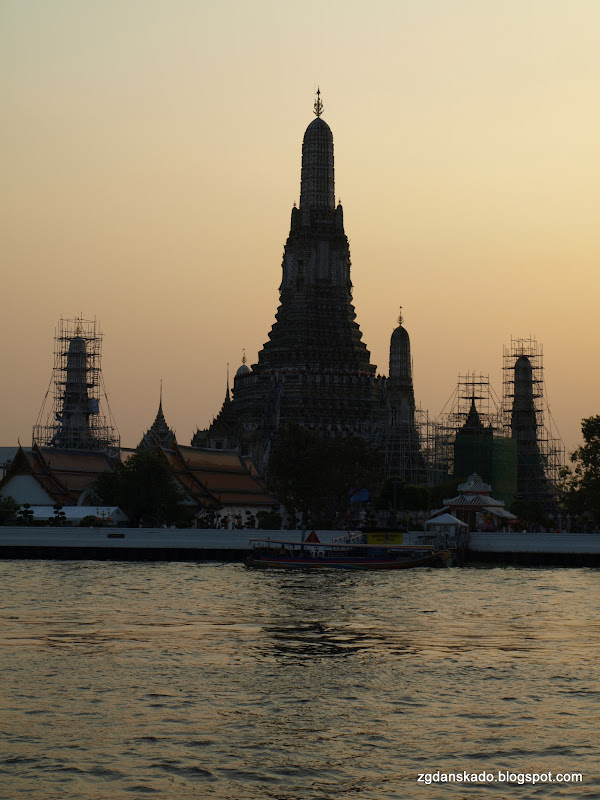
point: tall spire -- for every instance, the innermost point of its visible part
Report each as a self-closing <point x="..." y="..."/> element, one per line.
<point x="317" y="187"/>
<point x="400" y="360"/>
<point x="318" y="107"/>
<point x="158" y="434"/>
<point x="227" y="397"/>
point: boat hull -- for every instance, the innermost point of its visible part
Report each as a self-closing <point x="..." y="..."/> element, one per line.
<point x="286" y="562"/>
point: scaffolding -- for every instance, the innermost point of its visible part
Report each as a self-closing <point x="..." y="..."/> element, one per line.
<point x="525" y="466"/>
<point x="76" y="419"/>
<point x="472" y="389"/>
<point x="541" y="452"/>
<point x="434" y="448"/>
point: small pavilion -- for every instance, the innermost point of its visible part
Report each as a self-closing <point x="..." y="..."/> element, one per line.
<point x="475" y="506"/>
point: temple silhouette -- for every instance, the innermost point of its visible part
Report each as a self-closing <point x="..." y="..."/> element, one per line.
<point x="315" y="369"/>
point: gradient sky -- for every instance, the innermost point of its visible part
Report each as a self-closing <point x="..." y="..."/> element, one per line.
<point x="151" y="157"/>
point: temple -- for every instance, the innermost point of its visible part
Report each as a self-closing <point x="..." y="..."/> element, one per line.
<point x="76" y="419"/>
<point x="532" y="483"/>
<point x="473" y="447"/>
<point x="314" y="369"/>
<point x="158" y="434"/>
<point x="402" y="446"/>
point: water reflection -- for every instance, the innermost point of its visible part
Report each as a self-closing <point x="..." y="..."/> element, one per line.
<point x="188" y="680"/>
<point x="304" y="640"/>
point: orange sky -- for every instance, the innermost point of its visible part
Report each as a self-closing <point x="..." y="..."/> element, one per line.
<point x="151" y="157"/>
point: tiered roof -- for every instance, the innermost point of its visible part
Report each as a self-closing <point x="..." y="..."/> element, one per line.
<point x="159" y="434"/>
<point x="63" y="474"/>
<point x="475" y="495"/>
<point x="220" y="475"/>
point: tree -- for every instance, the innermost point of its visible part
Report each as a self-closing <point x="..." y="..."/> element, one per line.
<point x="443" y="491"/>
<point x="60" y="517"/>
<point x="416" y="498"/>
<point x="8" y="508"/>
<point x="396" y="495"/>
<point x="25" y="516"/>
<point x="317" y="477"/>
<point x="144" y="487"/>
<point x="269" y="520"/>
<point x="389" y="498"/>
<point x="531" y="512"/>
<point x="585" y="484"/>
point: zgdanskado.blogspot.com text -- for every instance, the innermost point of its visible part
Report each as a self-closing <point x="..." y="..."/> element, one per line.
<point x="500" y="776"/>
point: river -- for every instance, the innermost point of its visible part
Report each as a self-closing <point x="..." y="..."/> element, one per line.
<point x="181" y="681"/>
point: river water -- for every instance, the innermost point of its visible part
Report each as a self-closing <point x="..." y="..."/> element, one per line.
<point x="177" y="681"/>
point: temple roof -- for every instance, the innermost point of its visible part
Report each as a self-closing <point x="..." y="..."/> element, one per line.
<point x="474" y="485"/>
<point x="226" y="421"/>
<point x="473" y="423"/>
<point x="472" y="501"/>
<point x="217" y="476"/>
<point x="63" y="474"/>
<point x="159" y="434"/>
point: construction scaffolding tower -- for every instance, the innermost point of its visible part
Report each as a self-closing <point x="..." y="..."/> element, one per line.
<point x="473" y="392"/>
<point x="76" y="419"/>
<point x="526" y="418"/>
<point x="433" y="448"/>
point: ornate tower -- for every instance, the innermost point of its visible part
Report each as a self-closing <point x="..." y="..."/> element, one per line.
<point x="403" y="455"/>
<point x="531" y="479"/>
<point x="75" y="420"/>
<point x="158" y="434"/>
<point x="314" y="369"/>
<point x="315" y="328"/>
<point x="540" y="452"/>
<point x="473" y="447"/>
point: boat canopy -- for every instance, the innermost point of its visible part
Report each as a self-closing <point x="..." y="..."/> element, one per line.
<point x="445" y="522"/>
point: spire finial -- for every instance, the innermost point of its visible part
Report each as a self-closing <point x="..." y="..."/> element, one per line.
<point x="243" y="355"/>
<point x="400" y="317"/>
<point x="318" y="107"/>
<point x="160" y="402"/>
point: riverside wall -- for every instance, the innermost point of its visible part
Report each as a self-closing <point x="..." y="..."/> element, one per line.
<point x="156" y="544"/>
<point x="138" y="544"/>
<point x="536" y="549"/>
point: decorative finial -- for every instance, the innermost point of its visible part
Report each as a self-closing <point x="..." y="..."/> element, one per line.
<point x="227" y="392"/>
<point x="160" y="402"/>
<point x="318" y="104"/>
<point x="400" y="317"/>
<point x="244" y="355"/>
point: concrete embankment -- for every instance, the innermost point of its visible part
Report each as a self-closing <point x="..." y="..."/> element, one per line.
<point x="155" y="544"/>
<point x="536" y="549"/>
<point x="137" y="544"/>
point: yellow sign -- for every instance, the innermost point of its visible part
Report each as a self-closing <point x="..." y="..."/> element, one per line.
<point x="392" y="537"/>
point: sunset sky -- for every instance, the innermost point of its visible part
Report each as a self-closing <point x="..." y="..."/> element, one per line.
<point x="151" y="157"/>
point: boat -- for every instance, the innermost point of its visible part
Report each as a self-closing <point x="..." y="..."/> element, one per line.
<point x="282" y="554"/>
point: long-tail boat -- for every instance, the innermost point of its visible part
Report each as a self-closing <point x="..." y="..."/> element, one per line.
<point x="282" y="554"/>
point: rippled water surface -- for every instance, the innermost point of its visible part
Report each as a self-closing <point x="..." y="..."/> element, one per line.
<point x="124" y="680"/>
